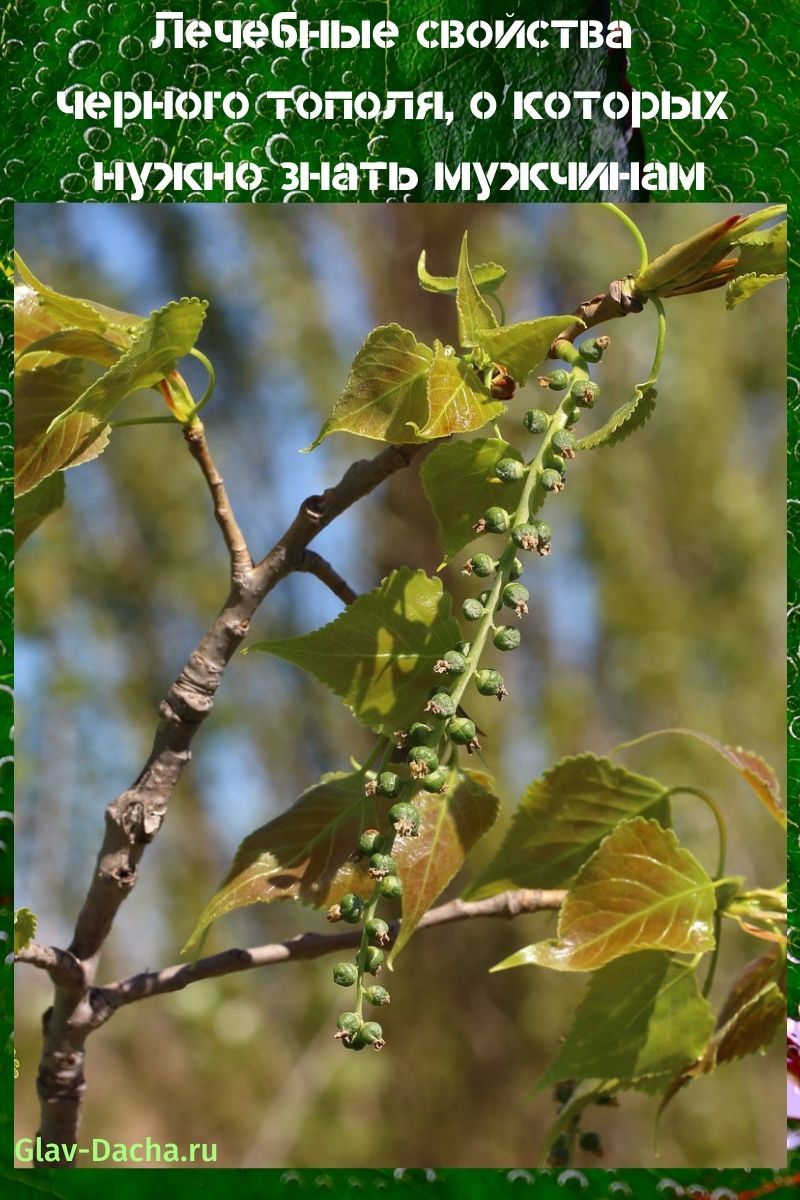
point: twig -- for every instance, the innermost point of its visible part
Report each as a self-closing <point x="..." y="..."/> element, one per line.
<point x="617" y="302"/>
<point x="64" y="968"/>
<point x="312" y="945"/>
<point x="223" y="510"/>
<point x="315" y="564"/>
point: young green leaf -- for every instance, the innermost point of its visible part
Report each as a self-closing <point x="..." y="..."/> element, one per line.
<point x="473" y="312"/>
<point x="66" y="343"/>
<point x="74" y="433"/>
<point x="68" y="312"/>
<point x="764" y="251"/>
<point x="642" y="1015"/>
<point x="378" y="655"/>
<point x="449" y="828"/>
<point x="629" y="417"/>
<point x="457" y="478"/>
<point x="562" y="818"/>
<point x="32" y="508"/>
<point x="24" y="928"/>
<point x="487" y="277"/>
<point x="40" y="397"/>
<point x="385" y="397"/>
<point x="746" y="285"/>
<point x="458" y="399"/>
<point x="524" y="346"/>
<point x="640" y="890"/>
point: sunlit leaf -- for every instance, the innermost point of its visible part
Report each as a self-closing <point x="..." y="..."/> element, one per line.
<point x="522" y="347"/>
<point x="69" y="312"/>
<point x="744" y="286"/>
<point x="24" y="928"/>
<point x="378" y="654"/>
<point x="640" y="890"/>
<point x="450" y="827"/>
<point x="487" y="277"/>
<point x="629" y="417"/>
<point x="458" y="399"/>
<point x="562" y="818"/>
<point x="32" y="508"/>
<point x="65" y="343"/>
<point x="764" y="251"/>
<point x="457" y="478"/>
<point x="385" y="397"/>
<point x="474" y="313"/>
<point x="642" y="1015"/>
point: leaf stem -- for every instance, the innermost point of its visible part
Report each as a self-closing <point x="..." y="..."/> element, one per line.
<point x="722" y="831"/>
<point x="633" y="228"/>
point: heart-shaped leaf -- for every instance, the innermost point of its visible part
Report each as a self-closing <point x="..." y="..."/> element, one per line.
<point x="487" y="278"/>
<point x="458" y="399"/>
<point x="68" y="312"/>
<point x="640" y="890"/>
<point x="306" y="853"/>
<point x="32" y="508"/>
<point x="629" y="417"/>
<point x="378" y="654"/>
<point x="458" y="481"/>
<point x="562" y="818"/>
<point x="385" y="396"/>
<point x="522" y="347"/>
<point x="449" y="828"/>
<point x="642" y="1015"/>
<point x="474" y="313"/>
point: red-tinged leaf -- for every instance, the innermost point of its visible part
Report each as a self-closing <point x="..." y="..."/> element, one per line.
<point x="685" y="256"/>
<point x="640" y="890"/>
<point x="458" y="399"/>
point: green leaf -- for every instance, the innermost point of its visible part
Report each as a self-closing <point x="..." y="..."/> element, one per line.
<point x="385" y="397"/>
<point x="474" y="313"/>
<point x="642" y="1015"/>
<point x="78" y="343"/>
<point x="24" y="928"/>
<point x="450" y="826"/>
<point x="306" y="853"/>
<point x="763" y="251"/>
<point x="640" y="890"/>
<point x="457" y="478"/>
<point x="629" y="417"/>
<point x="378" y="655"/>
<point x="458" y="399"/>
<point x="74" y="434"/>
<point x="522" y="347"/>
<point x="744" y="286"/>
<point x="562" y="818"/>
<point x="487" y="278"/>
<point x="68" y="312"/>
<point x="32" y="508"/>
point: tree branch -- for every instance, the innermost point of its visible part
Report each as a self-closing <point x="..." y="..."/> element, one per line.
<point x="617" y="302"/>
<point x="315" y="564"/>
<point x="64" y="968"/>
<point x="195" y="436"/>
<point x="311" y="945"/>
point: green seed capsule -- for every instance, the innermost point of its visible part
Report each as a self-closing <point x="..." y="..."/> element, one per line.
<point x="573" y="418"/>
<point x="452" y="663"/>
<point x="373" y="960"/>
<point x="497" y="520"/>
<point x="371" y="1034"/>
<point x="558" y="379"/>
<point x="590" y="351"/>
<point x="536" y="421"/>
<point x="436" y="781"/>
<point x="419" y="733"/>
<point x="354" y="1043"/>
<point x="377" y="995"/>
<point x="370" y="841"/>
<point x="558" y="463"/>
<point x="463" y="647"/>
<point x="544" y="536"/>
<point x="461" y="730"/>
<point x="381" y="865"/>
<point x="525" y="537"/>
<point x="509" y="470"/>
<point x="563" y="1091"/>
<point x="559" y="1153"/>
<point x="345" y="974"/>
<point x="351" y="908"/>
<point x="516" y="596"/>
<point x="552" y="480"/>
<point x="564" y="443"/>
<point x="516" y="569"/>
<point x="590" y="1142"/>
<point x="404" y="819"/>
<point x="377" y="931"/>
<point x="489" y="683"/>
<point x="482" y="565"/>
<point x="422" y="759"/>
<point x="389" y="784"/>
<point x="507" y="638"/>
<point x="349" y="1023"/>
<point x="472" y="610"/>
<point x="441" y="705"/>
<point x="392" y="887"/>
<point x="584" y="392"/>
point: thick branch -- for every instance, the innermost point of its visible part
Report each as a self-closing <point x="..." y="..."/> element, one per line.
<point x="312" y="945"/>
<point x="64" y="968"/>
<point x="315" y="564"/>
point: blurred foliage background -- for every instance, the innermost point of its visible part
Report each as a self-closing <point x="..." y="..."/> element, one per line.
<point x="662" y="604"/>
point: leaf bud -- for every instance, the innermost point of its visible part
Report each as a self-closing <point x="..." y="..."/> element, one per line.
<point x="345" y="974"/>
<point x="377" y="995"/>
<point x="392" y="887"/>
<point x="452" y="663"/>
<point x="509" y="470"/>
<point x="507" y="638"/>
<point x="502" y="385"/>
<point x="536" y="420"/>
